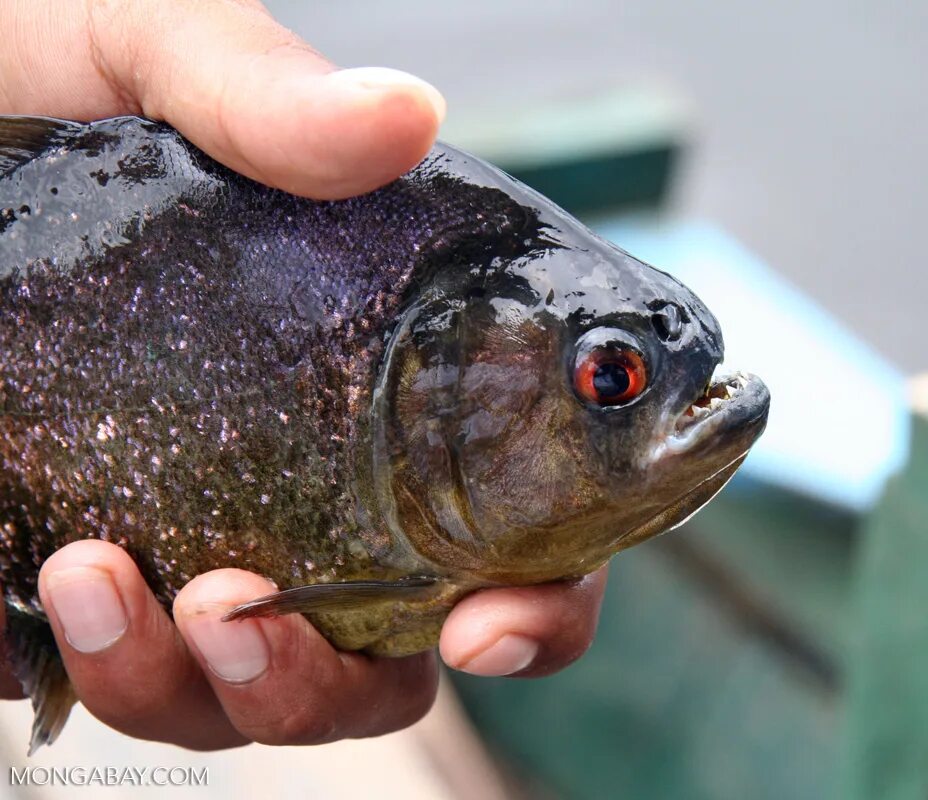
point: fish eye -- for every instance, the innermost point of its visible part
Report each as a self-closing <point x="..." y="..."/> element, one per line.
<point x="609" y="375"/>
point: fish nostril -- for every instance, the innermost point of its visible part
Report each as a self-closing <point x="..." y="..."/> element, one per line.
<point x="668" y="321"/>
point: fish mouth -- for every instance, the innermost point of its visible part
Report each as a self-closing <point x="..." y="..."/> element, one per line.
<point x="710" y="439"/>
<point x="732" y="410"/>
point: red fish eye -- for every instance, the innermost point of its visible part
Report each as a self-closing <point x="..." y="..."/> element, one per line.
<point x="610" y="376"/>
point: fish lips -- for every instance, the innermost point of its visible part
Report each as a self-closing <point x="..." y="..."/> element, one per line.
<point x="723" y="421"/>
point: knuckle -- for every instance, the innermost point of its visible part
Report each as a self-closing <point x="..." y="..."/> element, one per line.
<point x="292" y="726"/>
<point x="119" y="35"/>
<point x="135" y="691"/>
<point x="118" y="705"/>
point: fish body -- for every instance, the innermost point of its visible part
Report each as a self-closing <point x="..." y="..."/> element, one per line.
<point x="379" y="403"/>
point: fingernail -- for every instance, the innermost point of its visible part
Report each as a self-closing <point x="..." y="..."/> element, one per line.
<point x="88" y="606"/>
<point x="512" y="653"/>
<point x="237" y="651"/>
<point x="383" y="78"/>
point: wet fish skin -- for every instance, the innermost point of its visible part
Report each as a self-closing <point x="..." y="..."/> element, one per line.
<point x="193" y="391"/>
<point x="209" y="372"/>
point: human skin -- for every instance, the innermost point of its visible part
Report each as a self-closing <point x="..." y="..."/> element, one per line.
<point x="256" y="97"/>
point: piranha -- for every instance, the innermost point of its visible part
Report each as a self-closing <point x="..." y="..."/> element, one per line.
<point x="381" y="403"/>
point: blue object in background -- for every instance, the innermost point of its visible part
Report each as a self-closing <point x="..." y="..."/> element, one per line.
<point x="839" y="423"/>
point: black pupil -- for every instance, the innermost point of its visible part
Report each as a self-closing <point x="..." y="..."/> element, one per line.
<point x="611" y="380"/>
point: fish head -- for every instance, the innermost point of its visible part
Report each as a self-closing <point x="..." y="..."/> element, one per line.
<point x="541" y="409"/>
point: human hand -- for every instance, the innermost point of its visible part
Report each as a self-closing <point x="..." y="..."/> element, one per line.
<point x="257" y="98"/>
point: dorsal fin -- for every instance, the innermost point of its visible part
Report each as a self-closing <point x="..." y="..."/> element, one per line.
<point x="23" y="138"/>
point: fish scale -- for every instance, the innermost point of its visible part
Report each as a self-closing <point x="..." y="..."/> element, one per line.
<point x="373" y="402"/>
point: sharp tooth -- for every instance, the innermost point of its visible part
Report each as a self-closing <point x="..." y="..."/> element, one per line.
<point x="715" y="402"/>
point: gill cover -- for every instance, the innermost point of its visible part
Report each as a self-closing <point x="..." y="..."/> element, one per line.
<point x="474" y="426"/>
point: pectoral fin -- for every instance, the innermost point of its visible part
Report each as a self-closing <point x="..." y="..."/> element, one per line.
<point x="36" y="662"/>
<point x="330" y="596"/>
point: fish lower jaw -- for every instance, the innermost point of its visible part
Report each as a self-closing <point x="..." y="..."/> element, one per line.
<point x="684" y="507"/>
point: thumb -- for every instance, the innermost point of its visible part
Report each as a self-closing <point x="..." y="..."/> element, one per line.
<point x="236" y="83"/>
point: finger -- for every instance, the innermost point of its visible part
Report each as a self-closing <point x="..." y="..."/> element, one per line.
<point x="124" y="656"/>
<point x="281" y="682"/>
<point x="527" y="631"/>
<point x="243" y="88"/>
<point x="10" y="688"/>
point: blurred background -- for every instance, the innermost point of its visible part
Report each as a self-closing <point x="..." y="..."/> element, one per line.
<point x="803" y="123"/>
<point x="773" y="157"/>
